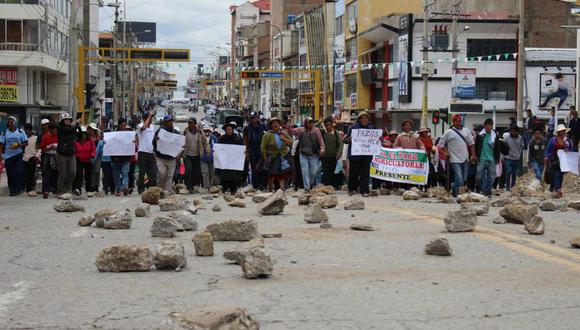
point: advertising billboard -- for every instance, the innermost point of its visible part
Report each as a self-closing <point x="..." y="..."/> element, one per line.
<point x="557" y="90"/>
<point x="463" y="84"/>
<point x="144" y="31"/>
<point x="8" y="85"/>
<point x="405" y="57"/>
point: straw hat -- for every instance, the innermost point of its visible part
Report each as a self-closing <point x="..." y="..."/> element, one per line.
<point x="560" y="128"/>
<point x="424" y="129"/>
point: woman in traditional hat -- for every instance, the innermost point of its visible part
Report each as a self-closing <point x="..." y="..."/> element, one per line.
<point x="407" y="139"/>
<point x="275" y="160"/>
<point x="230" y="179"/>
<point x="559" y="142"/>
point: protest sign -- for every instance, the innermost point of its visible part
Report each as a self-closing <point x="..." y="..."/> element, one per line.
<point x="401" y="165"/>
<point x="170" y="144"/>
<point x="229" y="156"/>
<point x="568" y="161"/>
<point x="119" y="143"/>
<point x="365" y="142"/>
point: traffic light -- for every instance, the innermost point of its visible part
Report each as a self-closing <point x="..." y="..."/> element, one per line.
<point x="250" y="74"/>
<point x="436" y="118"/>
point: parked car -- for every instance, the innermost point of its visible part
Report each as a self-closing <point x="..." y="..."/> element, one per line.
<point x="180" y="117"/>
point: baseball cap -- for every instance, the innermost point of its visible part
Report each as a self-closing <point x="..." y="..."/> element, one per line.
<point x="168" y="118"/>
<point x="44" y="121"/>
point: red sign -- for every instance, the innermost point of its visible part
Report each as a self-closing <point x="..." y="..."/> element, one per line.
<point x="8" y="76"/>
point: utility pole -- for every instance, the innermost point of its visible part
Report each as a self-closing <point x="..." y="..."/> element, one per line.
<point x="521" y="64"/>
<point x="123" y="65"/>
<point x="115" y="66"/>
<point x="425" y="60"/>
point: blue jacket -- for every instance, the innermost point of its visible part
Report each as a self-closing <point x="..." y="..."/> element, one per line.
<point x="550" y="152"/>
<point x="99" y="153"/>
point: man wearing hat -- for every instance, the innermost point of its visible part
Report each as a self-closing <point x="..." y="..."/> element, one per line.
<point x="12" y="143"/>
<point x="207" y="169"/>
<point x="311" y="147"/>
<point x="195" y="146"/>
<point x="515" y="143"/>
<point x="359" y="166"/>
<point x="457" y="143"/>
<point x="165" y="163"/>
<point x="253" y="134"/>
<point x="145" y="154"/>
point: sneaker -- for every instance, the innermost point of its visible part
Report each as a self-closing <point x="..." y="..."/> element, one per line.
<point x="118" y="194"/>
<point x="77" y="192"/>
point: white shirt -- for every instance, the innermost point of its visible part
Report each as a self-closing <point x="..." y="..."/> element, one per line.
<point x="146" y="138"/>
<point x="458" y="149"/>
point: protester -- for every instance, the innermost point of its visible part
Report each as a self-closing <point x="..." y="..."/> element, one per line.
<point x="488" y="152"/>
<point x="65" y="153"/>
<point x="95" y="136"/>
<point x="407" y="139"/>
<point x="311" y="147"/>
<point x="106" y="166"/>
<point x="120" y="166"/>
<point x="207" y="168"/>
<point x="230" y="179"/>
<point x="529" y="126"/>
<point x="30" y="158"/>
<point x="552" y="122"/>
<point x="12" y="143"/>
<point x="85" y="152"/>
<point x="457" y="143"/>
<point x="48" y="166"/>
<point x="359" y="166"/>
<point x="275" y="157"/>
<point x="431" y="151"/>
<point x="515" y="144"/>
<point x="536" y="150"/>
<point x="334" y="145"/>
<point x="145" y="154"/>
<point x="559" y="142"/>
<point x="195" y="146"/>
<point x="574" y="126"/>
<point x="253" y="133"/>
<point x="165" y="163"/>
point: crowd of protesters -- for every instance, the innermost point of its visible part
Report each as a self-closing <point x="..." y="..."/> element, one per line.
<point x="278" y="155"/>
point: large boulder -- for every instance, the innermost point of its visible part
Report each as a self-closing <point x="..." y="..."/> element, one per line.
<point x="574" y="205"/>
<point x="535" y="225"/>
<point x="185" y="218"/>
<point x="171" y="204"/>
<point x="527" y="186"/>
<point x="203" y="244"/>
<point x="235" y="254"/>
<point x="256" y="263"/>
<point x="315" y="214"/>
<point x="325" y="201"/>
<point x="472" y="198"/>
<point x="478" y="208"/>
<point x="518" y="213"/>
<point x="460" y="221"/>
<point x="68" y="206"/>
<point x="354" y="204"/>
<point x="234" y="230"/>
<point x="304" y="198"/>
<point x="125" y="258"/>
<point x="438" y="246"/>
<point x="152" y="195"/>
<point x="326" y="190"/>
<point x="86" y="221"/>
<point x="554" y="205"/>
<point x="118" y="220"/>
<point x="410" y="195"/>
<point x="274" y="204"/>
<point x="212" y="318"/>
<point x="165" y="227"/>
<point x="143" y="210"/>
<point x="102" y="215"/>
<point x="170" y="255"/>
<point x="437" y="192"/>
<point x="260" y="198"/>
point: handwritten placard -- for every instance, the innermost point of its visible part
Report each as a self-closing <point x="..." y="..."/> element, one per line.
<point x="365" y="142"/>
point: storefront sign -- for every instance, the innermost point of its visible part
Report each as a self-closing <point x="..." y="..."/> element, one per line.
<point x="8" y="85"/>
<point x="463" y="84"/>
<point x="401" y="165"/>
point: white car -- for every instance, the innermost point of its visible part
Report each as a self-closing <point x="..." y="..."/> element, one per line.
<point x="180" y="117"/>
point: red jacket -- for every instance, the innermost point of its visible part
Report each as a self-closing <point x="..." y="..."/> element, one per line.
<point x="85" y="151"/>
<point x="47" y="139"/>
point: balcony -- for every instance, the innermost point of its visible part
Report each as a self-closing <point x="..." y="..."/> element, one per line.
<point x="19" y="47"/>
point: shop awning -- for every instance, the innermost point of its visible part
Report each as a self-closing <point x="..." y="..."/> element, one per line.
<point x="379" y="33"/>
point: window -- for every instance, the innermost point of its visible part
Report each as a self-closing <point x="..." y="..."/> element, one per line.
<point x="391" y="53"/>
<point x="485" y="47"/>
<point x="30" y="28"/>
<point x="338" y="91"/>
<point x="379" y="94"/>
<point x="14" y="31"/>
<point x="496" y="89"/>
<point x="2" y="30"/>
<point x="302" y="37"/>
<point x="339" y="25"/>
<point x="350" y="84"/>
<point x="352" y="10"/>
<point x="351" y="50"/>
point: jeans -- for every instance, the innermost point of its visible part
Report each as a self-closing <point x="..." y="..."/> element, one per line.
<point x="485" y="175"/>
<point x="147" y="166"/>
<point x="165" y="171"/>
<point x="67" y="171"/>
<point x="15" y="174"/>
<point x="538" y="169"/>
<point x="192" y="171"/>
<point x="309" y="166"/>
<point x="258" y="179"/>
<point x="120" y="175"/>
<point x="460" y="175"/>
<point x="562" y="94"/>
<point x="557" y="179"/>
<point x="108" y="182"/>
<point x="359" y="174"/>
<point x="207" y="174"/>
<point x="30" y="168"/>
<point x="511" y="172"/>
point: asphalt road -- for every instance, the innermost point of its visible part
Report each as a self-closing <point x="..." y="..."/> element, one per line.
<point x="499" y="276"/>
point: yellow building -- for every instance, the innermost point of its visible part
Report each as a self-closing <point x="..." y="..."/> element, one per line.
<point x="361" y="16"/>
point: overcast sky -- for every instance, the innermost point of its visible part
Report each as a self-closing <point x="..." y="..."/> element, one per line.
<point x="200" y="25"/>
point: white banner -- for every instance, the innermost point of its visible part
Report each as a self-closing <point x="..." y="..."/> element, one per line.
<point x="119" y="143"/>
<point x="568" y="161"/>
<point x="229" y="156"/>
<point x="365" y="142"/>
<point x="170" y="144"/>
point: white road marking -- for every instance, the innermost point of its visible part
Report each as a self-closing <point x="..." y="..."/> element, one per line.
<point x="80" y="233"/>
<point x="12" y="297"/>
